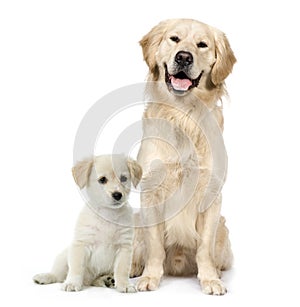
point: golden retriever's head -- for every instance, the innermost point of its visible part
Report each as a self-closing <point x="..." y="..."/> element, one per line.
<point x="187" y="54"/>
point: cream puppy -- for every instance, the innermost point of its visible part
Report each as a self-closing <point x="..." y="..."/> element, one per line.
<point x="102" y="244"/>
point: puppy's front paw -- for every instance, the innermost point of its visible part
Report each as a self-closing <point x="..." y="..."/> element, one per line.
<point x="128" y="288"/>
<point x="71" y="286"/>
<point x="214" y="287"/>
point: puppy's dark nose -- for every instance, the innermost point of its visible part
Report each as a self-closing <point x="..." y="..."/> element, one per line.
<point x="184" y="58"/>
<point x="117" y="195"/>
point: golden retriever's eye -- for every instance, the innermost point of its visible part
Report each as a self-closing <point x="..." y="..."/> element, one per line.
<point x="123" y="178"/>
<point x="102" y="180"/>
<point x="202" y="45"/>
<point x="175" y="39"/>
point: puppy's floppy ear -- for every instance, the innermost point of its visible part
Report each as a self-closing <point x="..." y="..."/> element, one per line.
<point x="81" y="172"/>
<point x="135" y="170"/>
<point x="225" y="58"/>
<point x="150" y="43"/>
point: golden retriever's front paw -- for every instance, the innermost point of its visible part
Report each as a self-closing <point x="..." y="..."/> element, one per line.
<point x="129" y="288"/>
<point x="146" y="283"/>
<point x="214" y="287"/>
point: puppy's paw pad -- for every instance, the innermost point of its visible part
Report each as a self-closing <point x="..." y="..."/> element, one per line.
<point x="44" y="278"/>
<point x="127" y="288"/>
<point x="147" y="283"/>
<point x="104" y="281"/>
<point x="71" y="286"/>
<point x="109" y="281"/>
<point x="213" y="287"/>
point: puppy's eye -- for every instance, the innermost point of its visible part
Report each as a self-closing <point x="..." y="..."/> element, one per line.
<point x="102" y="180"/>
<point x="123" y="178"/>
<point x="175" y="39"/>
<point x="202" y="45"/>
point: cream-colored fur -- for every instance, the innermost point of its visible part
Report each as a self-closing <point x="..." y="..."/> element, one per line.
<point x="182" y="236"/>
<point x="102" y="245"/>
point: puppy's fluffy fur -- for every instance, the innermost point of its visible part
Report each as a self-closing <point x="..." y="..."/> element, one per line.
<point x="190" y="61"/>
<point x="102" y="246"/>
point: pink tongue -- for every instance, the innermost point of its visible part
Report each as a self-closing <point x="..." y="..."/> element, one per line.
<point x="180" y="84"/>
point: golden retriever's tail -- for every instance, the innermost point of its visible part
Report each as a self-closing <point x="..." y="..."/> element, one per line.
<point x="180" y="261"/>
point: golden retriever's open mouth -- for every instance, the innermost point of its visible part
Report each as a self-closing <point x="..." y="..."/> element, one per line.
<point x="180" y="83"/>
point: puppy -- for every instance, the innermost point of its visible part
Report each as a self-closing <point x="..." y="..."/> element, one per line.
<point x="102" y="244"/>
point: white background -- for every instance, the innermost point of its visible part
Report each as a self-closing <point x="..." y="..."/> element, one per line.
<point x="57" y="58"/>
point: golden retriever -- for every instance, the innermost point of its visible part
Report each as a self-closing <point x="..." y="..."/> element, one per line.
<point x="188" y="62"/>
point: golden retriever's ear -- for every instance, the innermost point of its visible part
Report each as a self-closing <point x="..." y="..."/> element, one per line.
<point x="149" y="44"/>
<point x="135" y="170"/>
<point x="81" y="172"/>
<point x="225" y="59"/>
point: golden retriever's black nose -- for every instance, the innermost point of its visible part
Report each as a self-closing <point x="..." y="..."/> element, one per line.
<point x="117" y="195"/>
<point x="184" y="58"/>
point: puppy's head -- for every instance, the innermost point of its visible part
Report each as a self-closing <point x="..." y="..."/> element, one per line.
<point x="187" y="54"/>
<point x="107" y="178"/>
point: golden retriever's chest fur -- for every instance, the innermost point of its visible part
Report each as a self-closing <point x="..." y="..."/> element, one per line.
<point x="181" y="229"/>
<point x="185" y="125"/>
<point x="192" y="167"/>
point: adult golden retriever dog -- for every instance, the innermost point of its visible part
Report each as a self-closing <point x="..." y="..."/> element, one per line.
<point x="188" y="63"/>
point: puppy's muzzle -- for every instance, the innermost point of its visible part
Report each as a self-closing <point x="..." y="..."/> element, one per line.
<point x="116" y="195"/>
